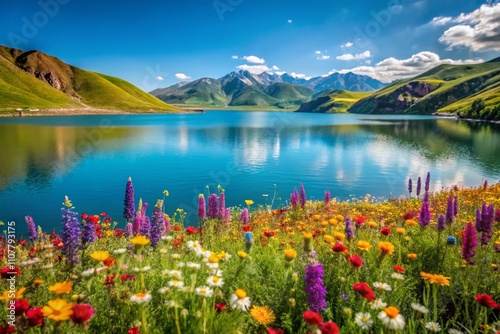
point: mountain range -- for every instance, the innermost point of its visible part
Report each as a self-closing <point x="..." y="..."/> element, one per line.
<point x="243" y="88"/>
<point x="33" y="79"/>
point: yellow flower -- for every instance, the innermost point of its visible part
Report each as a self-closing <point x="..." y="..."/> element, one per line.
<point x="17" y="295"/>
<point x="290" y="254"/>
<point x="61" y="287"/>
<point x="412" y="256"/>
<point x="308" y="235"/>
<point x="386" y="247"/>
<point x="140" y="240"/>
<point x="400" y="231"/>
<point x="38" y="282"/>
<point x="316" y="217"/>
<point x="339" y="236"/>
<point x="213" y="258"/>
<point x="242" y="255"/>
<point x="263" y="315"/>
<point x="248" y="202"/>
<point x="436" y="279"/>
<point x="372" y="223"/>
<point x="165" y="193"/>
<point x="411" y="222"/>
<point x="329" y="239"/>
<point x="333" y="221"/>
<point x="364" y="245"/>
<point x="324" y="223"/>
<point x="67" y="202"/>
<point x="100" y="255"/>
<point x="340" y="218"/>
<point x="58" y="310"/>
<point x="222" y="255"/>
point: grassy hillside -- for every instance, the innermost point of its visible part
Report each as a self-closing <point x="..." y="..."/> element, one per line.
<point x="289" y="92"/>
<point x="332" y="101"/>
<point x="445" y="88"/>
<point x="35" y="80"/>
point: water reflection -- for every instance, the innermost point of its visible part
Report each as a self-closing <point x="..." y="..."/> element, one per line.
<point x="244" y="152"/>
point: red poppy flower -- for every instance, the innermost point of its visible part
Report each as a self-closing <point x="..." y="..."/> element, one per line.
<point x="34" y="316"/>
<point x="385" y="231"/>
<point x="275" y="331"/>
<point x="247" y="228"/>
<point x="103" y="214"/>
<point x="220" y="307"/>
<point x="176" y="243"/>
<point x="409" y="215"/>
<point x="107" y="220"/>
<point x="134" y="330"/>
<point x="486" y="300"/>
<point x="22" y="243"/>
<point x="118" y="233"/>
<point x="21" y="306"/>
<point x="359" y="220"/>
<point x="269" y="233"/>
<point x="191" y="230"/>
<point x="82" y="313"/>
<point x="356" y="261"/>
<point x="364" y="290"/>
<point x="177" y="227"/>
<point x="312" y="318"/>
<point x="93" y="219"/>
<point x="330" y="328"/>
<point x="398" y="268"/>
<point x="8" y="273"/>
<point x="84" y="216"/>
<point x="339" y="247"/>
<point x="109" y="262"/>
<point x="127" y="277"/>
<point x="7" y="329"/>
<point x="110" y="280"/>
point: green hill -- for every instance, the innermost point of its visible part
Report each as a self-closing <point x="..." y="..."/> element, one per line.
<point x="445" y="88"/>
<point x="35" y="80"/>
<point x="332" y="101"/>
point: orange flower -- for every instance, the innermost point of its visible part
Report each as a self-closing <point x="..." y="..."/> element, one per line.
<point x="412" y="256"/>
<point x="61" y="287"/>
<point x="386" y="247"/>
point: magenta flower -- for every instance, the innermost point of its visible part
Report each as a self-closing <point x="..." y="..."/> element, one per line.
<point x="425" y="215"/>
<point x="202" y="213"/>
<point x="315" y="289"/>
<point x="469" y="243"/>
<point x="212" y="206"/>
<point x="302" y="196"/>
<point x="129" y="209"/>
<point x="327" y="197"/>
<point x="244" y="218"/>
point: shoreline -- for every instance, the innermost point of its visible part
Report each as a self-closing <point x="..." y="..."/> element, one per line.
<point x="455" y="116"/>
<point x="90" y="112"/>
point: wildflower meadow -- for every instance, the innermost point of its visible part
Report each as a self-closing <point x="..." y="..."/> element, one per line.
<point x="424" y="263"/>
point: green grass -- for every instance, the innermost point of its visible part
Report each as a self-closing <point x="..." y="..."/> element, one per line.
<point x="338" y="101"/>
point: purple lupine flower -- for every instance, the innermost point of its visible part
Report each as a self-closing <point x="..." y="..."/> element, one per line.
<point x="138" y="222"/>
<point x="158" y="224"/>
<point x="327" y="197"/>
<point x="484" y="222"/>
<point x="349" y="232"/>
<point x="425" y="215"/>
<point x="441" y="222"/>
<point x="479" y="220"/>
<point x="146" y="224"/>
<point x="419" y="186"/>
<point x="129" y="230"/>
<point x="244" y="218"/>
<point x="427" y="181"/>
<point x="315" y="288"/>
<point x="455" y="206"/>
<point x="294" y="198"/>
<point x="70" y="235"/>
<point x="450" y="210"/>
<point x="469" y="243"/>
<point x="88" y="233"/>
<point x="222" y="205"/>
<point x="485" y="184"/>
<point x="227" y="215"/>
<point x="212" y="206"/>
<point x="410" y="186"/>
<point x="129" y="209"/>
<point x="302" y="196"/>
<point x="167" y="224"/>
<point x="32" y="231"/>
<point x="202" y="210"/>
<point x="426" y="197"/>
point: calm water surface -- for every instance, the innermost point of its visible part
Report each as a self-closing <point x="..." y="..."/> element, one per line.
<point x="89" y="158"/>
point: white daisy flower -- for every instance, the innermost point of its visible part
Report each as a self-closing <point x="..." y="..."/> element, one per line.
<point x="215" y="281"/>
<point x="119" y="251"/>
<point x="181" y="264"/>
<point x="363" y="320"/>
<point x="204" y="291"/>
<point x="240" y="301"/>
<point x="193" y="265"/>
<point x="173" y="273"/>
<point x="398" y="276"/>
<point x="193" y="245"/>
<point x="378" y="304"/>
<point x="382" y="286"/>
<point x="391" y="318"/>
<point x="166" y="237"/>
<point x="419" y="308"/>
<point x="433" y="326"/>
<point x="212" y="265"/>
<point x="89" y="272"/>
<point x="163" y="290"/>
<point x="176" y="256"/>
<point x="176" y="283"/>
<point x="140" y="298"/>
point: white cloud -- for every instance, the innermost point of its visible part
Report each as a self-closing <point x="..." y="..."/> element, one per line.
<point x="479" y="30"/>
<point x="323" y="57"/>
<point x="347" y="45"/>
<point x="234" y="57"/>
<point x="276" y="68"/>
<point x="280" y="72"/>
<point x="441" y="20"/>
<point x="254" y="69"/>
<point x="299" y="76"/>
<point x="357" y="56"/>
<point x="254" y="59"/>
<point x="182" y="76"/>
<point x="290" y="21"/>
<point x="159" y="78"/>
<point x="391" y="69"/>
<point x="317" y="52"/>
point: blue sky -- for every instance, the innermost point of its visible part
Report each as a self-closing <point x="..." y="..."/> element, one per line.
<point x="158" y="43"/>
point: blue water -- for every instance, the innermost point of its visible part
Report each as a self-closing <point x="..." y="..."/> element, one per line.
<point x="249" y="154"/>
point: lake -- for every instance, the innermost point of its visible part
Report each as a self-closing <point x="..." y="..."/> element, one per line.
<point x="249" y="154"/>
